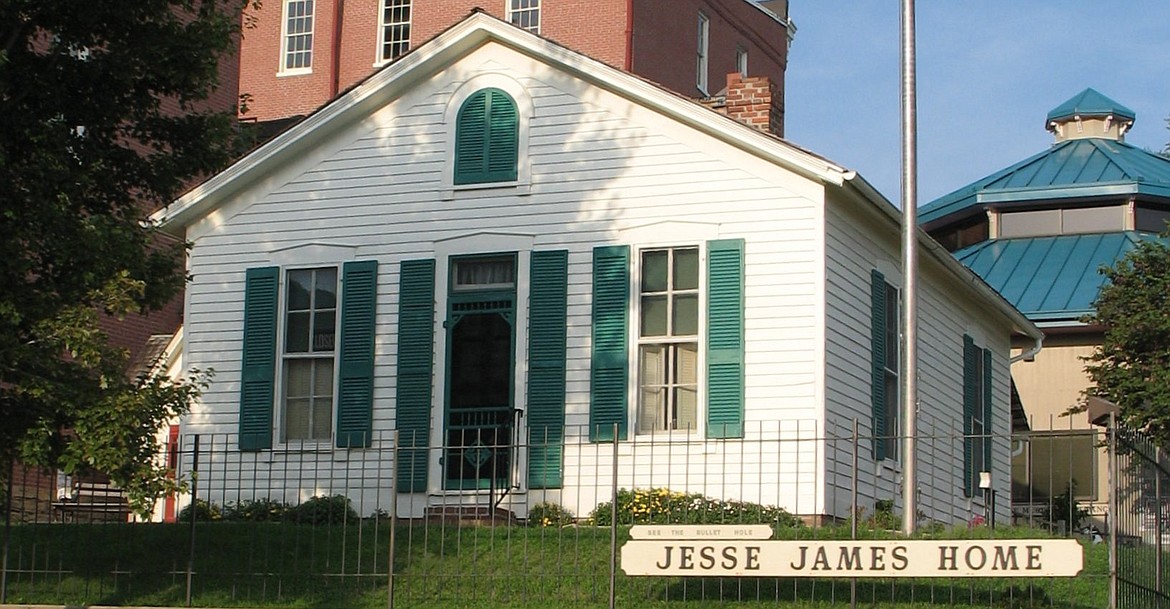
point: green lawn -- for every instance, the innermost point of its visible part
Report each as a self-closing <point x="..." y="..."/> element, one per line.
<point x="287" y="565"/>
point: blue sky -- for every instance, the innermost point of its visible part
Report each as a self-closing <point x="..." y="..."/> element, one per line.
<point x="988" y="73"/>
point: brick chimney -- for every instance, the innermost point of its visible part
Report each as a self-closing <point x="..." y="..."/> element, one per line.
<point x="754" y="100"/>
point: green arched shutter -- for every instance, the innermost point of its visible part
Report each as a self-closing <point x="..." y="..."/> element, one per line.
<point x="258" y="365"/>
<point x="416" y="339"/>
<point x="725" y="338"/>
<point x="547" y="322"/>
<point x="610" y="370"/>
<point x="487" y="138"/>
<point x="355" y="392"/>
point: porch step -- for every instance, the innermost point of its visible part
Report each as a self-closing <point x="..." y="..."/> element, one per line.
<point x="470" y="514"/>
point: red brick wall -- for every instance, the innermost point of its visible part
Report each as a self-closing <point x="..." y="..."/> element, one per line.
<point x="663" y="44"/>
<point x="666" y="40"/>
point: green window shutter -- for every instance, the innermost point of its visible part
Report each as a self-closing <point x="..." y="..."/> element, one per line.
<point x="610" y="369"/>
<point x="355" y="391"/>
<point x="547" y="322"/>
<point x="987" y="401"/>
<point x="725" y="338"/>
<point x="877" y="343"/>
<point x="258" y="365"/>
<point x="416" y="338"/>
<point x="970" y="395"/>
<point x="487" y="136"/>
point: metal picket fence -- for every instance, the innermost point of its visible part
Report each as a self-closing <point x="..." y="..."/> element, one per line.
<point x="311" y="525"/>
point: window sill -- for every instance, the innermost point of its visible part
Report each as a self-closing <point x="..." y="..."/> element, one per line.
<point x="297" y="72"/>
<point x="522" y="188"/>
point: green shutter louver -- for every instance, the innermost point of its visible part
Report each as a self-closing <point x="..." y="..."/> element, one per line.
<point x="355" y="391"/>
<point x="416" y="338"/>
<point x="487" y="139"/>
<point x="609" y="368"/>
<point x="547" y="323"/>
<point x="877" y="342"/>
<point x="970" y="395"/>
<point x="258" y="365"/>
<point x="725" y="338"/>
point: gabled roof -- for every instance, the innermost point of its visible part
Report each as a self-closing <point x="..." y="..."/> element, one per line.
<point x="1049" y="278"/>
<point x="479" y="29"/>
<point x="1071" y="169"/>
<point x="1090" y="103"/>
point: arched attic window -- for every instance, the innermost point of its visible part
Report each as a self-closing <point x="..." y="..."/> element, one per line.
<point x="487" y="134"/>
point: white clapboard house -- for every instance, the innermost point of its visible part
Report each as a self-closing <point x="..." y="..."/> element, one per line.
<point x="520" y="247"/>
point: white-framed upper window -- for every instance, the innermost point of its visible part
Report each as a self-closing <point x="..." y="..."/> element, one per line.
<point x="741" y="64"/>
<point x="525" y="14"/>
<point x="310" y="330"/>
<point x="297" y="37"/>
<point x="668" y="339"/>
<point x="701" y="50"/>
<point x="395" y="29"/>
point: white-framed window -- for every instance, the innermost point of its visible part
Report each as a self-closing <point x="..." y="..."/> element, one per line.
<point x="310" y="330"/>
<point x="741" y="64"/>
<point x="701" y="50"/>
<point x="525" y="14"/>
<point x="395" y="28"/>
<point x="668" y="339"/>
<point x="297" y="37"/>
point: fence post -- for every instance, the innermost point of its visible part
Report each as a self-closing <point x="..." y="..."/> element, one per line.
<point x="194" y="515"/>
<point x="1114" y="508"/>
<point x="613" y="516"/>
<point x="853" y="512"/>
<point x="393" y="520"/>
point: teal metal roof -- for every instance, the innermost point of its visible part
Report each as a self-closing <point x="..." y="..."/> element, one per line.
<point x="1070" y="169"/>
<point x="1089" y="103"/>
<point x="1049" y="278"/>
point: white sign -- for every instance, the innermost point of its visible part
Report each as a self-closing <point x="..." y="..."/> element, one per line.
<point x="701" y="531"/>
<point x="892" y="558"/>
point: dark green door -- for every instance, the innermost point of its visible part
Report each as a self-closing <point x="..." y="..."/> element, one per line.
<point x="480" y="415"/>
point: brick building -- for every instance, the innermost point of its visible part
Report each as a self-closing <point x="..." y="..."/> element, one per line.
<point x="298" y="54"/>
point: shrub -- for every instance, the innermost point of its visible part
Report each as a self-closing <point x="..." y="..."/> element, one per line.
<point x="663" y="506"/>
<point x="548" y="514"/>
<point x="204" y="512"/>
<point x="256" y="510"/>
<point x="324" y="510"/>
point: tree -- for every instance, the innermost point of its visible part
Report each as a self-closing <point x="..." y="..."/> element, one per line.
<point x="103" y="117"/>
<point x="1131" y="367"/>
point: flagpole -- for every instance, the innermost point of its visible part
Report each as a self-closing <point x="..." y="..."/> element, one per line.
<point x="909" y="359"/>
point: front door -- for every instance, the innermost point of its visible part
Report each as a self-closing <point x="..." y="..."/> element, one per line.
<point x="480" y="416"/>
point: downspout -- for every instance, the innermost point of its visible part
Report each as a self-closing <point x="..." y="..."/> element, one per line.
<point x="629" y="67"/>
<point x="338" y="15"/>
<point x="1030" y="353"/>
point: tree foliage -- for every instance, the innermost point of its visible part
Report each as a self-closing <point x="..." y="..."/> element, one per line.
<point x="103" y="117"/>
<point x="1131" y="367"/>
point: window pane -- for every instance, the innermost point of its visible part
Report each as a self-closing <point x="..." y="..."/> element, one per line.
<point x="686" y="408"/>
<point x="298" y="378"/>
<point x="322" y="419"/>
<point x="324" y="330"/>
<point x="323" y="378"/>
<point x="299" y="285"/>
<point x="487" y="273"/>
<point x="686" y="365"/>
<point x="326" y="289"/>
<point x="686" y="269"/>
<point x="297" y="333"/>
<point x="649" y="409"/>
<point x="654" y="315"/>
<point x="686" y="315"/>
<point x="653" y="370"/>
<point x="655" y="266"/>
<point x="296" y="419"/>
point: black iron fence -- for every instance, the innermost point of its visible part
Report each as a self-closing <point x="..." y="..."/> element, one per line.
<point x="311" y="525"/>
